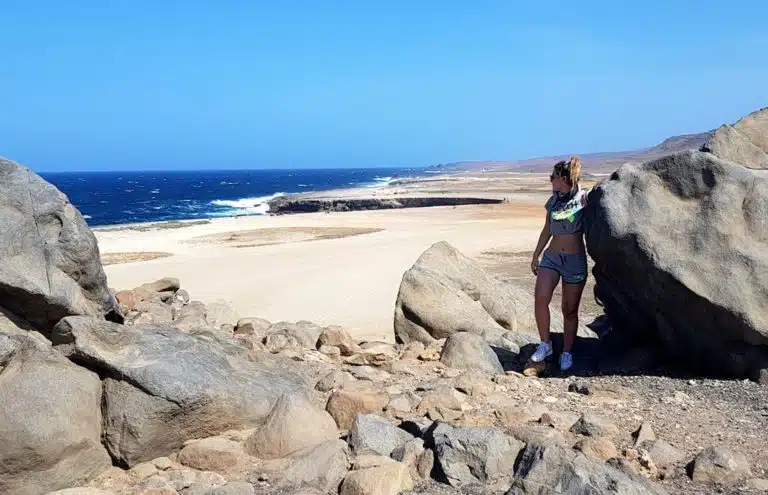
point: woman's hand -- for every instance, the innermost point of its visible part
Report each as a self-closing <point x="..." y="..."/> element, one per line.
<point x="535" y="266"/>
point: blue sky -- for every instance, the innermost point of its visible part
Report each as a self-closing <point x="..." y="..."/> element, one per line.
<point x="106" y="85"/>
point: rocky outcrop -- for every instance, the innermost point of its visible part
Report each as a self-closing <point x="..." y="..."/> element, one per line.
<point x="288" y="204"/>
<point x="163" y="386"/>
<point x="445" y="292"/>
<point x="50" y="419"/>
<point x="49" y="259"/>
<point x="680" y="247"/>
<point x="744" y="143"/>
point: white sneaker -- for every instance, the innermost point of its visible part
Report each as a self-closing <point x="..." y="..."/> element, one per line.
<point x="542" y="352"/>
<point x="566" y="361"/>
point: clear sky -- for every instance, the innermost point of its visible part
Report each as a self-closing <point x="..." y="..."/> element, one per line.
<point x="192" y="84"/>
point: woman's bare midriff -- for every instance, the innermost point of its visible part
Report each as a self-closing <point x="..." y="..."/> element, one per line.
<point x="567" y="244"/>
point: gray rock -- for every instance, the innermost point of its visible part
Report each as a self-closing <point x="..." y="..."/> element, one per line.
<point x="219" y="313"/>
<point x="716" y="465"/>
<point x="153" y="312"/>
<point x="165" y="386"/>
<point x="600" y="448"/>
<point x="333" y="380"/>
<point x="474" y="454"/>
<point x="338" y="337"/>
<point x="322" y="467"/>
<point x="346" y="403"/>
<point x="50" y="265"/>
<point x="50" y="419"/>
<point x="213" y="454"/>
<point x="551" y="469"/>
<point x="745" y="142"/>
<point x="538" y="434"/>
<point x="644" y="434"/>
<point x="594" y="425"/>
<point x="302" y="334"/>
<point x="409" y="453"/>
<point x="368" y="373"/>
<point x="191" y="316"/>
<point x="560" y="420"/>
<point x="252" y="326"/>
<point x="373" y="435"/>
<point x="662" y="454"/>
<point x="293" y="424"/>
<point x="468" y="351"/>
<point x="386" y="478"/>
<point x="666" y="290"/>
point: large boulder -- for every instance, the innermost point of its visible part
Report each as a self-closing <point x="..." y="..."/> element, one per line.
<point x="745" y="142"/>
<point x="445" y="292"/>
<point x="50" y="419"/>
<point x="162" y="386"/>
<point x="680" y="246"/>
<point x="50" y="265"/>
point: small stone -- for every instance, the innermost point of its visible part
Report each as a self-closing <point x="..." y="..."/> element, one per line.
<point x="403" y="403"/>
<point x="643" y="434"/>
<point x="213" y="454"/>
<point x="438" y="400"/>
<point x="371" y="434"/>
<point x="333" y="380"/>
<point x="232" y="488"/>
<point x="593" y="425"/>
<point x="412" y="351"/>
<point x="162" y="463"/>
<point x="369" y="373"/>
<point x="474" y="384"/>
<point x="430" y="354"/>
<point x="559" y="420"/>
<point x="409" y="452"/>
<point x="401" y="368"/>
<point x="344" y="404"/>
<point x="389" y="478"/>
<point x="331" y="351"/>
<point x="550" y="399"/>
<point x="511" y="413"/>
<point x="537" y="434"/>
<point x="143" y="471"/>
<point x="425" y="464"/>
<point x="599" y="448"/>
<point x="716" y="465"/>
<point x="661" y="453"/>
<point x="181" y="479"/>
<point x="338" y="337"/>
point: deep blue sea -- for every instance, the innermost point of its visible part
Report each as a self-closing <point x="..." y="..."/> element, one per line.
<point x="110" y="198"/>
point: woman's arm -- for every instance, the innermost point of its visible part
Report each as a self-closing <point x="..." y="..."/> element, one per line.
<point x="543" y="241"/>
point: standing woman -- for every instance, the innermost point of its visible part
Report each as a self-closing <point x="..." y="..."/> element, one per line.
<point x="565" y="258"/>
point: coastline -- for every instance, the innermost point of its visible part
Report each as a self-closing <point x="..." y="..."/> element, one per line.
<point x="331" y="267"/>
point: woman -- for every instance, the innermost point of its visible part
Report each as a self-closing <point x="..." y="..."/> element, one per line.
<point x="564" y="258"/>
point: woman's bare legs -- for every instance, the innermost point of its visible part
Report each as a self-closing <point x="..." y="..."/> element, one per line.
<point x="571" y="301"/>
<point x="546" y="281"/>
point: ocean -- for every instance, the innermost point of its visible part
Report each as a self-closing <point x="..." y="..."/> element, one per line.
<point x="111" y="198"/>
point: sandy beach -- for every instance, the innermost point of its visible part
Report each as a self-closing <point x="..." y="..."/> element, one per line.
<point x="329" y="268"/>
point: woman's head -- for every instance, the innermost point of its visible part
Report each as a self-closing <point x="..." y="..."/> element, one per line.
<point x="566" y="174"/>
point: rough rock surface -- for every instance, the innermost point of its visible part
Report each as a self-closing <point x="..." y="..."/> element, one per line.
<point x="50" y="419"/>
<point x="467" y="351"/>
<point x="554" y="469"/>
<point x="50" y="265"/>
<point x="669" y="290"/>
<point x="719" y="465"/>
<point x="163" y="386"/>
<point x="745" y="142"/>
<point x="292" y="425"/>
<point x="373" y="435"/>
<point x="474" y="454"/>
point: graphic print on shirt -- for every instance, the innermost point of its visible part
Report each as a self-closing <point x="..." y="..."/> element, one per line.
<point x="570" y="209"/>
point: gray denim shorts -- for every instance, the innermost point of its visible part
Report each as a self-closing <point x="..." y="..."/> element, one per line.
<point x="571" y="267"/>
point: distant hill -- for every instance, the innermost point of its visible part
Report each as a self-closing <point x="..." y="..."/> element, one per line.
<point x="593" y="162"/>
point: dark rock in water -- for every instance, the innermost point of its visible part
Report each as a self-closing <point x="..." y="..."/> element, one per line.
<point x="49" y="259"/>
<point x="552" y="469"/>
<point x="680" y="246"/>
<point x="287" y="204"/>
<point x="745" y="142"/>
<point x="50" y="419"/>
<point x="163" y="386"/>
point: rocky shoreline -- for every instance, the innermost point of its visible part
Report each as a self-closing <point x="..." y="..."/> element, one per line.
<point x="289" y="204"/>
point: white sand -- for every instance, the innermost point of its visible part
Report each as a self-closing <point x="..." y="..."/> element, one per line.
<point x="351" y="281"/>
